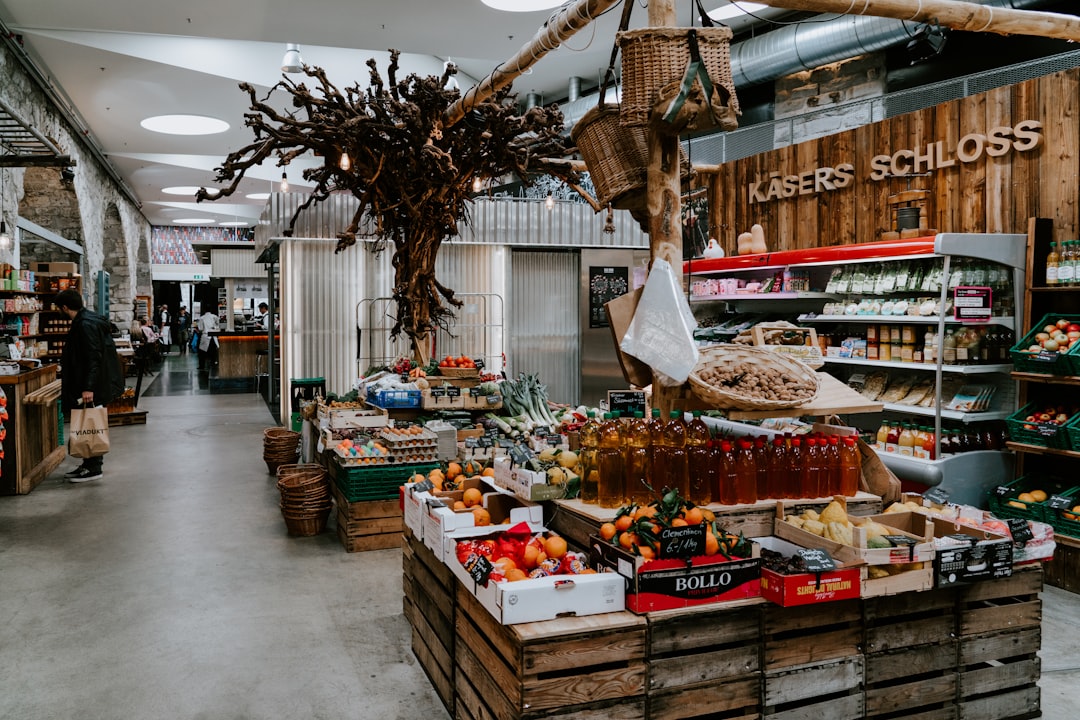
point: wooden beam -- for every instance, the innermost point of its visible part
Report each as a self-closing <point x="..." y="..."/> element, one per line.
<point x="951" y="14"/>
<point x="566" y="22"/>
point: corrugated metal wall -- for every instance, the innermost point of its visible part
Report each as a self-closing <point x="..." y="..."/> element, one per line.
<point x="235" y="263"/>
<point x="519" y="221"/>
<point x="544" y="328"/>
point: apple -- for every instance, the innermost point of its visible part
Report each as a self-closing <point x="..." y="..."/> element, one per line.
<point x="1062" y="324"/>
<point x="1072" y="326"/>
<point x="1059" y="336"/>
<point x="1051" y="345"/>
<point x="1042" y="337"/>
<point x="1050" y="329"/>
<point x="1061" y="418"/>
<point x="1031" y="419"/>
<point x="1073" y="335"/>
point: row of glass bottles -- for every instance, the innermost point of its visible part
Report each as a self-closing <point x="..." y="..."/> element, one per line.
<point x="913" y="440"/>
<point x="1063" y="268"/>
<point x="634" y="462"/>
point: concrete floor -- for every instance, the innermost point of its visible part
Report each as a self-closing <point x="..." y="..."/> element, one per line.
<point x="169" y="588"/>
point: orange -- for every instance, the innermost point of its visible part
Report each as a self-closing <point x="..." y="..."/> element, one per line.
<point x="531" y="557"/>
<point x="1039" y="495"/>
<point x="645" y="511"/>
<point x="515" y="574"/>
<point x="627" y="539"/>
<point x="481" y="516"/>
<point x="712" y="545"/>
<point x="471" y="497"/>
<point x="452" y="470"/>
<point x="555" y="546"/>
<point x="623" y="523"/>
<point x="458" y="505"/>
<point x="708" y="514"/>
<point x="607" y="531"/>
<point x="646" y="552"/>
<point x="1026" y="497"/>
<point x="679" y="522"/>
<point x="418" y="477"/>
<point x="694" y="516"/>
<point x="505" y="564"/>
<point x="488" y="472"/>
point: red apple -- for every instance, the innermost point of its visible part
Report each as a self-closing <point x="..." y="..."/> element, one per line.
<point x="1045" y="417"/>
<point x="1073" y="327"/>
<point x="1050" y="329"/>
<point x="1062" y="324"/>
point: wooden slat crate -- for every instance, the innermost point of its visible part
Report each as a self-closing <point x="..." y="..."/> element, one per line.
<point x="830" y="689"/>
<point x="810" y="633"/>
<point x="371" y="525"/>
<point x="585" y="668"/>
<point x="705" y="663"/>
<point x="429" y="587"/>
<point x="999" y="668"/>
<point x="407" y="560"/>
<point x="896" y="622"/>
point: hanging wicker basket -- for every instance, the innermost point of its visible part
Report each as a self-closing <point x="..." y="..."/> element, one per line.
<point x="744" y="377"/>
<point x="655" y="57"/>
<point x="617" y="157"/>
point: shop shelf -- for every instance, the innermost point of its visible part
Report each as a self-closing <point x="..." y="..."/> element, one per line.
<point x="1005" y="321"/>
<point x="1063" y="364"/>
<point x="955" y="369"/>
<point x="1004" y="500"/>
<point x="1049" y="435"/>
<point x="379" y="482"/>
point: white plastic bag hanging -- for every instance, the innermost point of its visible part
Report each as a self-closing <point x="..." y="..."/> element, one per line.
<point x="661" y="335"/>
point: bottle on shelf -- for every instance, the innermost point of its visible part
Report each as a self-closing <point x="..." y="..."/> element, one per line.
<point x="906" y="441"/>
<point x="892" y="440"/>
<point x="810" y="487"/>
<point x="832" y="465"/>
<point x="948" y="348"/>
<point x="850" y="467"/>
<point x="795" y="469"/>
<point x="882" y="437"/>
<point x="929" y="443"/>
<point x="656" y="436"/>
<point x="669" y="459"/>
<point x="777" y="485"/>
<point x="745" y="473"/>
<point x="729" y="477"/>
<point x="761" y="463"/>
<point x="611" y="491"/>
<point x="589" y="437"/>
<point x="637" y="459"/>
<point x="1052" y="262"/>
<point x="1067" y="265"/>
<point x="701" y="469"/>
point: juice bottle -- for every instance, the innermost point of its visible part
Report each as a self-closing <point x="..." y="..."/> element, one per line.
<point x="761" y="460"/>
<point x="638" y="460"/>
<point x="813" y="465"/>
<point x="656" y="434"/>
<point x="850" y="467"/>
<point x="745" y="473"/>
<point x="906" y="441"/>
<point x="882" y="436"/>
<point x="795" y="464"/>
<point x="590" y="442"/>
<point x="832" y="466"/>
<point x="928" y="443"/>
<point x="778" y="470"/>
<point x="1066" y="274"/>
<point x="669" y="460"/>
<point x="728" y="479"/>
<point x="611" y="491"/>
<point x="1052" y="261"/>
<point x="701" y="468"/>
<point x="892" y="442"/>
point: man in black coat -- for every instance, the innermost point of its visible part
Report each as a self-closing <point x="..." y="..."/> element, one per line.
<point x="89" y="366"/>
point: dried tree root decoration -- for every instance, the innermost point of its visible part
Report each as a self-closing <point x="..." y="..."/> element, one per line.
<point x="411" y="172"/>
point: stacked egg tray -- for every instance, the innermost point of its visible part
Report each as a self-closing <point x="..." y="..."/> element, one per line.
<point x="410" y="444"/>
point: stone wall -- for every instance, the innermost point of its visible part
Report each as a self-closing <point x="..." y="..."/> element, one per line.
<point x="90" y="210"/>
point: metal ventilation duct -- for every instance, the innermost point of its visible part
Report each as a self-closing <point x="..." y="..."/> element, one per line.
<point x="818" y="41"/>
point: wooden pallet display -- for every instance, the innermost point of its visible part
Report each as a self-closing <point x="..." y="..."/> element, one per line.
<point x="370" y="525"/>
<point x="705" y="663"/>
<point x="911" y="654"/>
<point x="430" y="588"/>
<point x="812" y="661"/>
<point x="575" y="668"/>
<point x="1000" y="636"/>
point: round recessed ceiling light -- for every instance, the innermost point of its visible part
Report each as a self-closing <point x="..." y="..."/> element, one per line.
<point x="185" y="125"/>
<point x="235" y="223"/>
<point x="258" y="196"/>
<point x="187" y="190"/>
<point x="194" y="221"/>
<point x="522" y="5"/>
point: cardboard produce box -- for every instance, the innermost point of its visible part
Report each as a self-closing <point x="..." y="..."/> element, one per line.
<point x="914" y="540"/>
<point x="966" y="554"/>
<point x="526" y="484"/>
<point x="678" y="583"/>
<point x="842" y="583"/>
<point x="441" y="521"/>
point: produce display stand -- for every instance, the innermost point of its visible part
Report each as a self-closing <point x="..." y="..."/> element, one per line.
<point x="369" y="523"/>
<point x="961" y="652"/>
<point x="32" y="441"/>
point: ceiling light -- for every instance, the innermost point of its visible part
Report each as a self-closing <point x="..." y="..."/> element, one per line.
<point x="188" y="190"/>
<point x="292" y="62"/>
<point x="550" y="202"/>
<point x="522" y="5"/>
<point x="258" y="196"/>
<point x="284" y="182"/>
<point x="344" y="163"/>
<point x="194" y="221"/>
<point x="235" y="223"/>
<point x="733" y="10"/>
<point x="185" y="125"/>
<point x="5" y="236"/>
<point x="477" y="185"/>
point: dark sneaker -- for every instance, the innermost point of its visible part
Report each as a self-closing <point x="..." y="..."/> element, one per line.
<point x="73" y="473"/>
<point x="84" y="475"/>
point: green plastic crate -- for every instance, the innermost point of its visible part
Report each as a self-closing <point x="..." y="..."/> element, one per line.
<point x="1000" y="497"/>
<point x="378" y="482"/>
<point x="1027" y="362"/>
<point x="1048" y="435"/>
<point x="1065" y="521"/>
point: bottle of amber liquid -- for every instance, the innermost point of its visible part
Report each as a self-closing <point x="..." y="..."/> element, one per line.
<point x="728" y="480"/>
<point x="810" y="487"/>
<point x="589" y="436"/>
<point x="638" y="460"/>
<point x="611" y="492"/>
<point x="796" y="458"/>
<point x="831" y="476"/>
<point x="669" y="460"/>
<point x="745" y="472"/>
<point x="762" y="450"/>
<point x="850" y="467"/>
<point x="702" y="470"/>
<point x="778" y="470"/>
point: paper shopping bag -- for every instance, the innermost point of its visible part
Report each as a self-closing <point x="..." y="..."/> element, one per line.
<point x="88" y="435"/>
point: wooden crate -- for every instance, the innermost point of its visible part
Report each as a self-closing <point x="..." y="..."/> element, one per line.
<point x="896" y="622"/>
<point x="1000" y="636"/>
<point x="585" y="668"/>
<point x="1063" y="570"/>
<point x="371" y="525"/>
<point x="832" y="689"/>
<point x="432" y="618"/>
<point x="704" y="663"/>
<point x="807" y="634"/>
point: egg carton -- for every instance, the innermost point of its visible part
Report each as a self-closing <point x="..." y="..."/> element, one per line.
<point x="398" y="440"/>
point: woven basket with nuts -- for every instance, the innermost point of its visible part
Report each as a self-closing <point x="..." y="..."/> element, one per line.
<point x="740" y="377"/>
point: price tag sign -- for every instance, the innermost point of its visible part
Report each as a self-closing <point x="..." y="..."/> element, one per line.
<point x="1059" y="502"/>
<point x="479" y="568"/>
<point x="405" y="380"/>
<point x="626" y="401"/>
<point x="424" y="486"/>
<point x="972" y="303"/>
<point x="1046" y="356"/>
<point x="1021" y="531"/>
<point x="479" y="362"/>
<point x="472" y="442"/>
<point x="901" y="541"/>
<point x="683" y="542"/>
<point x="1003" y="491"/>
<point x="453" y="392"/>
<point x="1048" y="429"/>
<point x="475" y="392"/>
<point x="541" y="431"/>
<point x="506" y="443"/>
<point x="936" y="495"/>
<point x="494" y="399"/>
<point x="817" y="560"/>
<point x="520" y="455"/>
<point x="438" y="392"/>
<point x="487" y="442"/>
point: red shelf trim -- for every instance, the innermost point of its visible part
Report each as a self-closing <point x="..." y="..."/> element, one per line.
<point x="835" y="254"/>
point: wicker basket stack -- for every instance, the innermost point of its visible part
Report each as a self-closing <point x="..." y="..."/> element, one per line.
<point x="280" y="447"/>
<point x="305" y="498"/>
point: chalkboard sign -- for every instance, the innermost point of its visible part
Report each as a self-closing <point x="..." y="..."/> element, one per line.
<point x="683" y="542"/>
<point x="1003" y="490"/>
<point x="423" y="486"/>
<point x="475" y="392"/>
<point x="1021" y="531"/>
<point x="438" y="392"/>
<point x="903" y="541"/>
<point x="626" y="402"/>
<point x="479" y="568"/>
<point x="494" y="399"/>
<point x="487" y="442"/>
<point x="479" y="362"/>
<point x="1059" y="502"/>
<point x="453" y="392"/>
<point x="541" y="431"/>
<point x="472" y="442"/>
<point x="817" y="560"/>
<point x="520" y="455"/>
<point x="936" y="495"/>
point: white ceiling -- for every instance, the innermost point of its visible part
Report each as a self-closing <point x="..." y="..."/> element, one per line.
<point x="120" y="61"/>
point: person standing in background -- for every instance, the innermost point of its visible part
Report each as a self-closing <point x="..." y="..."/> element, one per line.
<point x="183" y="329"/>
<point x="208" y="344"/>
<point x="264" y="317"/>
<point x="90" y="368"/>
<point x="165" y="323"/>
